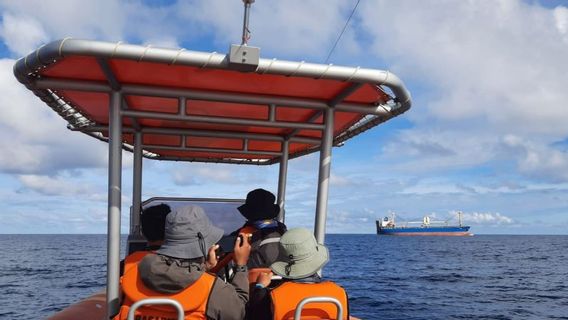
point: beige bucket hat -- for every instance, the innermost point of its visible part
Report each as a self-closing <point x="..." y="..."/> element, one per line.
<point x="301" y="255"/>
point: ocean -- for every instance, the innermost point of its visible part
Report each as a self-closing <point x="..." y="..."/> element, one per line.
<point x="480" y="277"/>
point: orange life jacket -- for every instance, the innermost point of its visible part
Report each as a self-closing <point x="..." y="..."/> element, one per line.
<point x="193" y="298"/>
<point x="132" y="259"/>
<point x="286" y="297"/>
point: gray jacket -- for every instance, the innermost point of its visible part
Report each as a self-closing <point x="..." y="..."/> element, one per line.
<point x="167" y="275"/>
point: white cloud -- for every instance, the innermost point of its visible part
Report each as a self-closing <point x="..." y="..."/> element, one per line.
<point x="339" y="181"/>
<point x="300" y="27"/>
<point x="561" y="18"/>
<point x="66" y="18"/>
<point x="429" y="151"/>
<point x="484" y="218"/>
<point x="486" y="76"/>
<point x="162" y="42"/>
<point x="348" y="220"/>
<point x="202" y="174"/>
<point x="484" y="63"/>
<point x="34" y="139"/>
<point x="539" y="161"/>
<point x="52" y="185"/>
<point x="22" y="34"/>
<point x="27" y="24"/>
<point x="298" y="32"/>
<point x="433" y="186"/>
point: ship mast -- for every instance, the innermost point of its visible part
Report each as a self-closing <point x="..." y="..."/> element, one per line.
<point x="460" y="217"/>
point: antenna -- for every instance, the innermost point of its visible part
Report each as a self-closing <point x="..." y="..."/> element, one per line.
<point x="246" y="31"/>
<point x="342" y="31"/>
<point x="242" y="57"/>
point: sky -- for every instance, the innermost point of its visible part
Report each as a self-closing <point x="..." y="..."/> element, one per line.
<point x="487" y="133"/>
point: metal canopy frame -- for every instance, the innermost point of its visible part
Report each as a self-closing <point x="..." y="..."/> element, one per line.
<point x="29" y="71"/>
<point x="123" y="120"/>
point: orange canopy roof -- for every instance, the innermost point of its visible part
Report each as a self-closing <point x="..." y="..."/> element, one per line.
<point x="192" y="106"/>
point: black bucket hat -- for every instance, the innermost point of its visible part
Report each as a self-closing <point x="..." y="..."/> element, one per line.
<point x="259" y="205"/>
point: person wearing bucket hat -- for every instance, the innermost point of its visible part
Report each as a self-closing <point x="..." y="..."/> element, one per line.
<point x="301" y="259"/>
<point x="179" y="270"/>
<point x="261" y="213"/>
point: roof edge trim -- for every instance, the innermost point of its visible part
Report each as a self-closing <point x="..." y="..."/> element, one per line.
<point x="26" y="68"/>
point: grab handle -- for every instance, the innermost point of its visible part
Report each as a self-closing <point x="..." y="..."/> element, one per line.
<point x="301" y="304"/>
<point x="162" y="301"/>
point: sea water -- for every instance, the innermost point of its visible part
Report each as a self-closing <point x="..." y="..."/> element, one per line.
<point x="480" y="277"/>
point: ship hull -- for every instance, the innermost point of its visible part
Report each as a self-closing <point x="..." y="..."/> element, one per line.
<point x="425" y="231"/>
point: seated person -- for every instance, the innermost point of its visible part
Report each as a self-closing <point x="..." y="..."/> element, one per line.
<point x="302" y="258"/>
<point x="179" y="270"/>
<point x="261" y="212"/>
<point x="152" y="221"/>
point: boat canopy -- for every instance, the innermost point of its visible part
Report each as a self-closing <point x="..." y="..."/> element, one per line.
<point x="196" y="106"/>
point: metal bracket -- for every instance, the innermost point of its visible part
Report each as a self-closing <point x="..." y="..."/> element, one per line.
<point x="244" y="58"/>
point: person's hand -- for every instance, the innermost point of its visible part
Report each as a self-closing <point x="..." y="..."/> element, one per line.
<point x="211" y="261"/>
<point x="264" y="278"/>
<point x="242" y="249"/>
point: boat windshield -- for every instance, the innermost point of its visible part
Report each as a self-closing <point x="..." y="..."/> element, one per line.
<point x="222" y="213"/>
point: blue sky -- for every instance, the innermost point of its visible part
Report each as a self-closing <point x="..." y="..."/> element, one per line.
<point x="487" y="134"/>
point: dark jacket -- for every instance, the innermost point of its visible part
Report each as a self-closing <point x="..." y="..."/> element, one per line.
<point x="167" y="275"/>
<point x="264" y="245"/>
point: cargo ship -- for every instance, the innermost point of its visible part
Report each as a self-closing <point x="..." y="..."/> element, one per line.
<point x="426" y="227"/>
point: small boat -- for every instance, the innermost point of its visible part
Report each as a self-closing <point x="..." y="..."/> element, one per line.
<point x="179" y="105"/>
<point x="426" y="227"/>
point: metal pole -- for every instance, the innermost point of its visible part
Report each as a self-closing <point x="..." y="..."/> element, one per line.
<point x="114" y="195"/>
<point x="324" y="172"/>
<point x="282" y="175"/>
<point x="246" y="33"/>
<point x="204" y="133"/>
<point x="221" y="120"/>
<point x="230" y="97"/>
<point x="200" y="149"/>
<point x="136" y="185"/>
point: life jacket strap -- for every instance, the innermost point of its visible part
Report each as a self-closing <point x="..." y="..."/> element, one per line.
<point x="269" y="240"/>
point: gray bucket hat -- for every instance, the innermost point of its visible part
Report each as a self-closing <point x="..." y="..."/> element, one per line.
<point x="301" y="255"/>
<point x="189" y="233"/>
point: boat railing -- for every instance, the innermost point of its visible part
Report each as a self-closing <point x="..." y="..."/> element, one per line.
<point x="304" y="302"/>
<point x="156" y="301"/>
